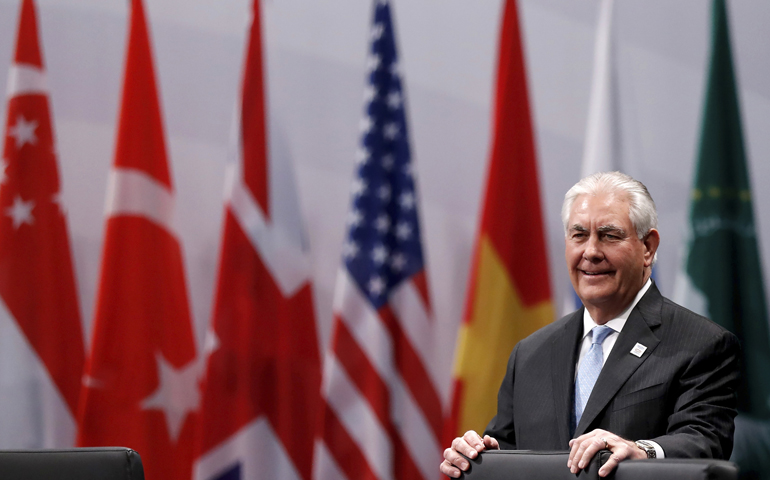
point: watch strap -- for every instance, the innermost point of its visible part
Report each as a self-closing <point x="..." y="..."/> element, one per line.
<point x="647" y="447"/>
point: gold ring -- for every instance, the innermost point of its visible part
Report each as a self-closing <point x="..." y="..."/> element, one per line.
<point x="606" y="445"/>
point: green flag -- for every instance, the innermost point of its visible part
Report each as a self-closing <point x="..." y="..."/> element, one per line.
<point x="723" y="265"/>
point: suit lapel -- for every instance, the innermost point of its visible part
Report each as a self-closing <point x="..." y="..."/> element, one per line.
<point x="563" y="350"/>
<point x="621" y="364"/>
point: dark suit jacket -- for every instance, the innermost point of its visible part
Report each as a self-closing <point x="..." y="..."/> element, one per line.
<point x="681" y="393"/>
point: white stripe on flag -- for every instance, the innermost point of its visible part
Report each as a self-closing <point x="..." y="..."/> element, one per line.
<point x="418" y="326"/>
<point x="34" y="414"/>
<point x="257" y="449"/>
<point x="26" y="80"/>
<point x="288" y="264"/>
<point x="355" y="413"/>
<point x="364" y="324"/>
<point x="415" y="432"/>
<point x="405" y="414"/>
<point x="133" y="192"/>
<point x="324" y="466"/>
<point x="374" y="340"/>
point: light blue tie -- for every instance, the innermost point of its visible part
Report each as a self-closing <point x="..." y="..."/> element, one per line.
<point x="589" y="370"/>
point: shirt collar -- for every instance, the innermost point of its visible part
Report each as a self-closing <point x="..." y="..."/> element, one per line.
<point x="618" y="322"/>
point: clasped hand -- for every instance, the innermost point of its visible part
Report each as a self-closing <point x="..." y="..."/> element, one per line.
<point x="584" y="447"/>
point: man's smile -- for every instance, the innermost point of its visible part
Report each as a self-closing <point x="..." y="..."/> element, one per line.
<point x="596" y="274"/>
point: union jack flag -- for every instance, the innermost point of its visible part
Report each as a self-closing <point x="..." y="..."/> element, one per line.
<point x="260" y="399"/>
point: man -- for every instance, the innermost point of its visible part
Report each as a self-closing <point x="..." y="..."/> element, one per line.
<point x="661" y="381"/>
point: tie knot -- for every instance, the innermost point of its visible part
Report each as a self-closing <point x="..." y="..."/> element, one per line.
<point x="600" y="333"/>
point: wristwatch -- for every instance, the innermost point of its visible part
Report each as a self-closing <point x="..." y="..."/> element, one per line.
<point x="648" y="448"/>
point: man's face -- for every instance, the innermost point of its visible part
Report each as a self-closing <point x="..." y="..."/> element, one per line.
<point x="605" y="258"/>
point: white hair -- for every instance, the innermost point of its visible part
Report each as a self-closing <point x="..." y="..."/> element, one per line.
<point x="641" y="207"/>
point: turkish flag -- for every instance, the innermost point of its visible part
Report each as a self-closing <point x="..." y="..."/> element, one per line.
<point x="141" y="388"/>
<point x="41" y="339"/>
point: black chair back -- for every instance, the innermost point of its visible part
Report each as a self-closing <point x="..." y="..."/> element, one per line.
<point x="527" y="465"/>
<point x="108" y="463"/>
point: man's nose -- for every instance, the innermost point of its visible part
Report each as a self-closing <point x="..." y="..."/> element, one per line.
<point x="593" y="251"/>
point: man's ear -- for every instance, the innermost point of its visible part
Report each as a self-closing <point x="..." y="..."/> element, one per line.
<point x="651" y="242"/>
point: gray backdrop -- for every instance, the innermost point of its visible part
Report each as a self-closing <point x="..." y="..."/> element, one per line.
<point x="316" y="54"/>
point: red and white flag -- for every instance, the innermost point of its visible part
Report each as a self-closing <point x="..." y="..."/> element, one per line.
<point x="141" y="386"/>
<point x="382" y="415"/>
<point x="41" y="339"/>
<point x="261" y="393"/>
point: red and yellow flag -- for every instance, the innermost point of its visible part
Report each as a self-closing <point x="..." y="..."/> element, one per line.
<point x="509" y="293"/>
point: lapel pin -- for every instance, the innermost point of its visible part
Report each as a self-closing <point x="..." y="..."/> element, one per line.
<point x="638" y="350"/>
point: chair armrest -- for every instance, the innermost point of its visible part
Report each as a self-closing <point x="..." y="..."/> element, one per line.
<point x="529" y="465"/>
<point x="101" y="463"/>
<point x="526" y="465"/>
<point x="677" y="469"/>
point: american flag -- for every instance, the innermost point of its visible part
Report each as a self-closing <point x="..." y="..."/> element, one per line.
<point x="383" y="416"/>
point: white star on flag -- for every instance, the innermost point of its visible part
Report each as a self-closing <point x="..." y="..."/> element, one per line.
<point x="362" y="155"/>
<point x="359" y="187"/>
<point x="366" y="124"/>
<point x="398" y="262"/>
<point x="374" y="62"/>
<point x="377" y="31"/>
<point x="394" y="69"/>
<point x="407" y="201"/>
<point x="354" y="218"/>
<point x="384" y="193"/>
<point x="390" y="131"/>
<point x="177" y="394"/>
<point x="21" y="212"/>
<point x="382" y="224"/>
<point x="376" y="285"/>
<point x="403" y="231"/>
<point x="394" y="100"/>
<point x="23" y="132"/>
<point x="369" y="93"/>
<point x="379" y="254"/>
